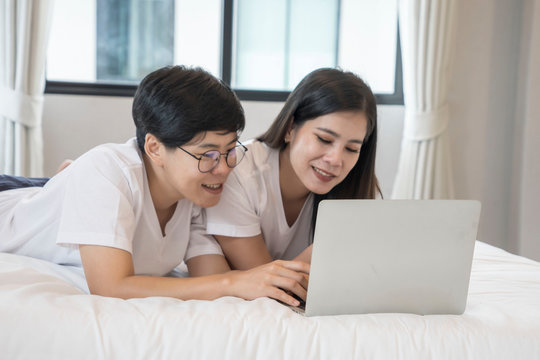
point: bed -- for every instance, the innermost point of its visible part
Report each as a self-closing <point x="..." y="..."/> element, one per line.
<point x="45" y="313"/>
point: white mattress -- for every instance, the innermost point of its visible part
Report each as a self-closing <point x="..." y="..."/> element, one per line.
<point x="44" y="313"/>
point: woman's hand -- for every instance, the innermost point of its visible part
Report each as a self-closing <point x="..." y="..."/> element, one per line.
<point x="272" y="280"/>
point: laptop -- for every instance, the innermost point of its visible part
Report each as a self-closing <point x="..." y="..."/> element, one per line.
<point x="392" y="256"/>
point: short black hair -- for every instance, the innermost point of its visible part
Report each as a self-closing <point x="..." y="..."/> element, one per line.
<point x="175" y="103"/>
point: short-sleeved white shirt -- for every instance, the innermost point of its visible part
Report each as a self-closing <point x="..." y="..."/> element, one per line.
<point x="102" y="198"/>
<point x="251" y="204"/>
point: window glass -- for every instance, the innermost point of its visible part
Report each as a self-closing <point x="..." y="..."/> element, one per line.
<point x="312" y="38"/>
<point x="274" y="43"/>
<point x="259" y="42"/>
<point x="71" y="53"/>
<point x="198" y="25"/>
<point x="368" y="41"/>
<point x="123" y="40"/>
<point x="133" y="38"/>
<point x="278" y="42"/>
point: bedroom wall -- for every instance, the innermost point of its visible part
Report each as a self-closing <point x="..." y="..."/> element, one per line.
<point x="490" y="97"/>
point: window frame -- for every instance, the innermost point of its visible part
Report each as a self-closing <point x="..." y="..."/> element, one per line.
<point x="128" y="90"/>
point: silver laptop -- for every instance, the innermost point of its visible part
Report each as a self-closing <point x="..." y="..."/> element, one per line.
<point x="392" y="256"/>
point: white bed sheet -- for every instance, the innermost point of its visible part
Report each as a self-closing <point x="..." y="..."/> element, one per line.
<point x="44" y="313"/>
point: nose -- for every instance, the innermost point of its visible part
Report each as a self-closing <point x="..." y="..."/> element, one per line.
<point x="221" y="168"/>
<point x="334" y="156"/>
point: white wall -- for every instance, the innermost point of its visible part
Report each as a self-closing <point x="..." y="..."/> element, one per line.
<point x="73" y="124"/>
<point x="493" y="103"/>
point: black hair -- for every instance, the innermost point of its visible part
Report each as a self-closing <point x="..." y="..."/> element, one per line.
<point x="176" y="103"/>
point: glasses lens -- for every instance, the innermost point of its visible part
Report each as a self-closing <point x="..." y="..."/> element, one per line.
<point x="235" y="155"/>
<point x="209" y="160"/>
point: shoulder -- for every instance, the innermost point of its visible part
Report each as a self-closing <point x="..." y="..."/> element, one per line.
<point x="254" y="176"/>
<point x="119" y="165"/>
<point x="254" y="172"/>
<point x="123" y="155"/>
<point x="258" y="160"/>
<point x="112" y="158"/>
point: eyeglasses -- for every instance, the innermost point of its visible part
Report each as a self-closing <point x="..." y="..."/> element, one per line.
<point x="210" y="159"/>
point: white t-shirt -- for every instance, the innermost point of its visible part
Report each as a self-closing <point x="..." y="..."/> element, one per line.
<point x="102" y="198"/>
<point x="251" y="204"/>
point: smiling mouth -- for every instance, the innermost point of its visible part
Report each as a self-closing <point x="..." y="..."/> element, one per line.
<point x="323" y="173"/>
<point x="212" y="186"/>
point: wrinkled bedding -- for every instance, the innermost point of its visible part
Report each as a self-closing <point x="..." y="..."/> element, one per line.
<point x="45" y="312"/>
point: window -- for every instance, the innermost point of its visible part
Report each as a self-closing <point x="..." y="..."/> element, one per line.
<point x="261" y="48"/>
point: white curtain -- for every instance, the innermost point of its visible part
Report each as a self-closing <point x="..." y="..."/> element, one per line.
<point x="24" y="32"/>
<point x="424" y="170"/>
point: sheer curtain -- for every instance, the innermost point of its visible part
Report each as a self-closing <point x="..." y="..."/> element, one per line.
<point x="24" y="30"/>
<point x="424" y="170"/>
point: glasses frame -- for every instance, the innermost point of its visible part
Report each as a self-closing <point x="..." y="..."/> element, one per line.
<point x="226" y="154"/>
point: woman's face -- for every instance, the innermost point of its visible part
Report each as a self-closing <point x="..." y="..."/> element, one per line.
<point x="182" y="173"/>
<point x="323" y="151"/>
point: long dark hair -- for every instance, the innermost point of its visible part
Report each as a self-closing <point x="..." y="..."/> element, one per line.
<point x="322" y="92"/>
<point x="176" y="103"/>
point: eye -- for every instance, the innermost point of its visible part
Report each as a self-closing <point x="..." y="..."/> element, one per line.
<point x="231" y="152"/>
<point x="212" y="155"/>
<point x="352" y="150"/>
<point x="324" y="141"/>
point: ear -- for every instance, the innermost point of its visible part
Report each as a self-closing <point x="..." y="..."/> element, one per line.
<point x="288" y="134"/>
<point x="154" y="149"/>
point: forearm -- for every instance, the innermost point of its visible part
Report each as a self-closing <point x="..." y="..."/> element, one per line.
<point x="268" y="280"/>
<point x="246" y="252"/>
<point x="305" y="255"/>
<point x="139" y="286"/>
<point x="109" y="272"/>
<point x="207" y="265"/>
